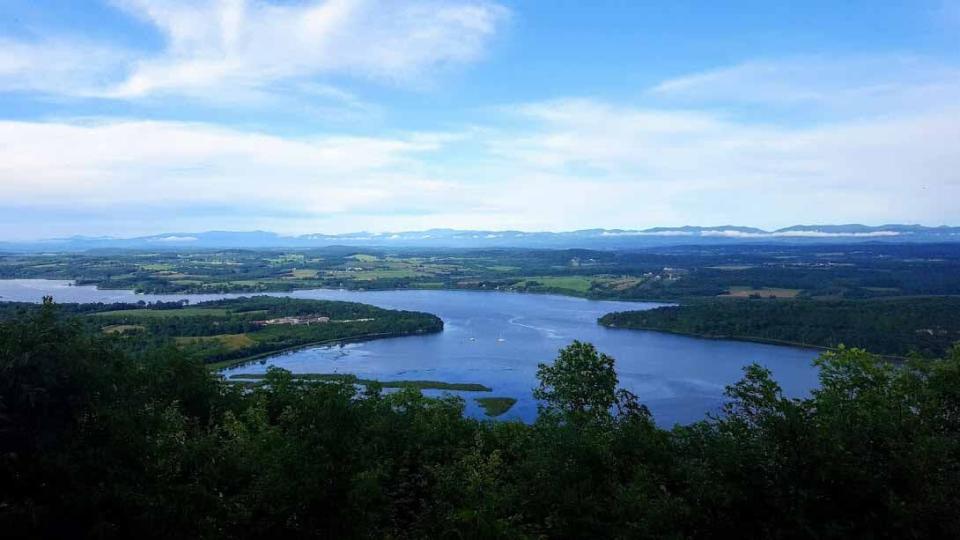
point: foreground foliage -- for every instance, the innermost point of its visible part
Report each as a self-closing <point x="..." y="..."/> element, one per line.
<point x="99" y="442"/>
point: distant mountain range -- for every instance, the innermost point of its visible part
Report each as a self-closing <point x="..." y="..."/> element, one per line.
<point x="589" y="238"/>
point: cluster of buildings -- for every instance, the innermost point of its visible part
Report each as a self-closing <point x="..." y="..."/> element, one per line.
<point x="294" y="320"/>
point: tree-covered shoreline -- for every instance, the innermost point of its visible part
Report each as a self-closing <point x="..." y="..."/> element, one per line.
<point x="238" y="330"/>
<point x="894" y="326"/>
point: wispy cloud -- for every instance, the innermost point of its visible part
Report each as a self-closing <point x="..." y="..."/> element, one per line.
<point x="234" y="50"/>
<point x="104" y="164"/>
<point x="798" y="234"/>
<point x="59" y="66"/>
<point x="873" y="84"/>
<point x="222" y="43"/>
<point x="175" y="239"/>
<point x="695" y="162"/>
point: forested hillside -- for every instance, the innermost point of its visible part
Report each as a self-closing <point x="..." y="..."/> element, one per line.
<point x="99" y="441"/>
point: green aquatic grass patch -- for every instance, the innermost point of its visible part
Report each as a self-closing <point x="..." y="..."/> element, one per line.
<point x="496" y="406"/>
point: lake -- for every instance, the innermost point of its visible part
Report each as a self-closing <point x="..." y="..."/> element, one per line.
<point x="498" y="338"/>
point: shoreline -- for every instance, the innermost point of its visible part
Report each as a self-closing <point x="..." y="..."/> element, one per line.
<point x="748" y="339"/>
<point x="229" y="364"/>
<point x="555" y="292"/>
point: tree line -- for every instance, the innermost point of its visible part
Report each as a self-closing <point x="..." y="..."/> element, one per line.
<point x="894" y="326"/>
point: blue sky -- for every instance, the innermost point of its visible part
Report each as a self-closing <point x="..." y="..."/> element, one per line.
<point x="129" y="117"/>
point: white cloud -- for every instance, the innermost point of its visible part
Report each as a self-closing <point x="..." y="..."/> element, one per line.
<point x="566" y="164"/>
<point x="646" y="233"/>
<point x="725" y="233"/>
<point x="689" y="165"/>
<point x="250" y="44"/>
<point x="822" y="234"/>
<point x="175" y="239"/>
<point x="870" y="84"/>
<point x="243" y="50"/>
<point x="58" y="66"/>
<point x="575" y="164"/>
<point x="189" y="166"/>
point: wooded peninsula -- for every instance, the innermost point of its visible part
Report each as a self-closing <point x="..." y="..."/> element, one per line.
<point x="227" y="332"/>
<point x="891" y="326"/>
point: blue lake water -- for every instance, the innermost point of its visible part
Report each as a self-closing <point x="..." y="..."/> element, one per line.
<point x="498" y="339"/>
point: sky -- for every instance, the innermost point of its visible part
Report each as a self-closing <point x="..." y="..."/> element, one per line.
<point x="135" y="117"/>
